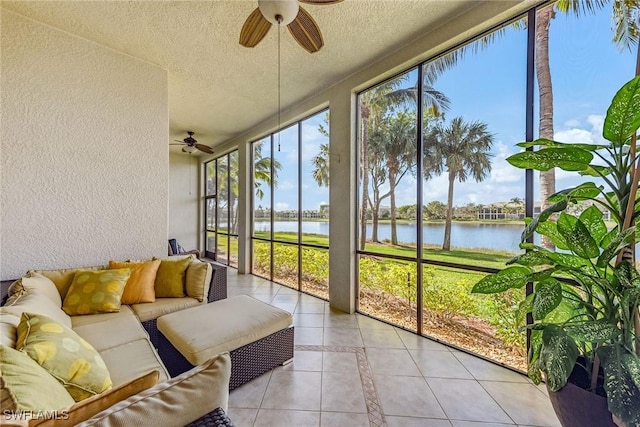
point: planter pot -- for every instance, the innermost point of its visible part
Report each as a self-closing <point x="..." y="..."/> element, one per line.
<point x="577" y="407"/>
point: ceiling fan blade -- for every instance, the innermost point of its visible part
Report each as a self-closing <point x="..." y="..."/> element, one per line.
<point x="204" y="148"/>
<point x="320" y="2"/>
<point x="254" y="29"/>
<point x="306" y="32"/>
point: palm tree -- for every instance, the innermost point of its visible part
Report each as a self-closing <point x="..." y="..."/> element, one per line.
<point x="397" y="138"/>
<point x="262" y="170"/>
<point x="461" y="149"/>
<point x="320" y="164"/>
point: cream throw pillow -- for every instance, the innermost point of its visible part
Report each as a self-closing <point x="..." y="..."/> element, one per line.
<point x="37" y="284"/>
<point x="198" y="278"/>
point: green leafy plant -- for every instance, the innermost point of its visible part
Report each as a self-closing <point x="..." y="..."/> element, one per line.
<point x="585" y="296"/>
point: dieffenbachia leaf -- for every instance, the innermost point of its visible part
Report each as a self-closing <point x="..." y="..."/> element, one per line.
<point x="577" y="236"/>
<point x="531" y="259"/>
<point x="550" y="229"/>
<point x="544" y="215"/>
<point x="558" y="355"/>
<point x="510" y="277"/>
<point x="547" y="297"/>
<point x="567" y="158"/>
<point x="592" y="218"/>
<point x="622" y="382"/>
<point x="544" y="142"/>
<point x="597" y="331"/>
<point x="623" y="115"/>
<point x="585" y="191"/>
<point x="618" y="242"/>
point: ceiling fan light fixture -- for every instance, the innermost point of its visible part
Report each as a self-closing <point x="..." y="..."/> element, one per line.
<point x="189" y="149"/>
<point x="287" y="10"/>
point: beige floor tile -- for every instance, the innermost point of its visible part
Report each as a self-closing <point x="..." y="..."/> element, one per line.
<point x="286" y="306"/>
<point x="308" y="336"/>
<point x="342" y="392"/>
<point x="342" y="337"/>
<point x="242" y="417"/>
<point x="288" y="290"/>
<point x="280" y="418"/>
<point x="416" y="422"/>
<point x="439" y="364"/>
<point x="309" y="320"/>
<point x="416" y="342"/>
<point x="407" y="396"/>
<point x="513" y="397"/>
<point x="336" y="319"/>
<point x="466" y="400"/>
<point x="342" y="419"/>
<point x="484" y="370"/>
<point x="339" y="362"/>
<point x="478" y="424"/>
<point x="263" y="297"/>
<point x="392" y="362"/>
<point x="293" y="390"/>
<point x="381" y="338"/>
<point x="304" y="361"/>
<point x="250" y="395"/>
<point x="305" y="307"/>
<point x="366" y="322"/>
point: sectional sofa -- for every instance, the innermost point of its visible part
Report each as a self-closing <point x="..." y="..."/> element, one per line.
<point x="42" y="319"/>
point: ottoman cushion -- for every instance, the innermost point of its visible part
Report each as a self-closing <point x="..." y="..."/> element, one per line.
<point x="201" y="332"/>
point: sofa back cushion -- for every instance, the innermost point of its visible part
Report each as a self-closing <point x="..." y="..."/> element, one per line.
<point x="197" y="280"/>
<point x="35" y="303"/>
<point x="62" y="278"/>
<point x="37" y="283"/>
<point x="9" y="329"/>
<point x="141" y="283"/>
<point x="26" y="386"/>
<point x="64" y="354"/>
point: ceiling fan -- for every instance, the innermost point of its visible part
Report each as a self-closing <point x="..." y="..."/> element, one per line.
<point x="284" y="12"/>
<point x="191" y="145"/>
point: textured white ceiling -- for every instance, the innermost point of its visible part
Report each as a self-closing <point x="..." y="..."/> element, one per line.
<point x="218" y="88"/>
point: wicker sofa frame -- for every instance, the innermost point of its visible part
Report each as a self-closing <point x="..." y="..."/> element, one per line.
<point x="247" y="362"/>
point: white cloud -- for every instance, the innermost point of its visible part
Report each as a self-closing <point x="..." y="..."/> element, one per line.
<point x="574" y="135"/>
<point x="572" y="123"/>
<point x="282" y="206"/>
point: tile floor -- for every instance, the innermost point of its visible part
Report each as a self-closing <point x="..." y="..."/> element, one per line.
<point x="352" y="371"/>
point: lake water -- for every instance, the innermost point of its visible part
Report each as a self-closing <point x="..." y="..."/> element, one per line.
<point x="498" y="236"/>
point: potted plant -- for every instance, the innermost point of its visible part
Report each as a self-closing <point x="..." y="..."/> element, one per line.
<point x="585" y="334"/>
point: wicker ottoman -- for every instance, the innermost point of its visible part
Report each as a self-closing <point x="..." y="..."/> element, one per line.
<point x="258" y="336"/>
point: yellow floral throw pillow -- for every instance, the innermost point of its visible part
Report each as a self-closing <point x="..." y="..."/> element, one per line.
<point x="64" y="354"/>
<point x="98" y="291"/>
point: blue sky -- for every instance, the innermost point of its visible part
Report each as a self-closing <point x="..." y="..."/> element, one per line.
<point x="587" y="69"/>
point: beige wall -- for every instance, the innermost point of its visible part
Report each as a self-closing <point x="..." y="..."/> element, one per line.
<point x="183" y="200"/>
<point x="84" y="159"/>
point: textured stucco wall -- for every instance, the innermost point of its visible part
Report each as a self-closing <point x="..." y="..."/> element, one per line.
<point x="183" y="200"/>
<point x="83" y="154"/>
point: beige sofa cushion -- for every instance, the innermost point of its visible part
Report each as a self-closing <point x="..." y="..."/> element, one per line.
<point x="112" y="333"/>
<point x="181" y="400"/>
<point x="9" y="329"/>
<point x="64" y="276"/>
<point x="27" y="302"/>
<point x="131" y="360"/>
<point x="198" y="279"/>
<point x="37" y="283"/>
<point x="162" y="306"/>
<point x="125" y="311"/>
<point x="252" y="320"/>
